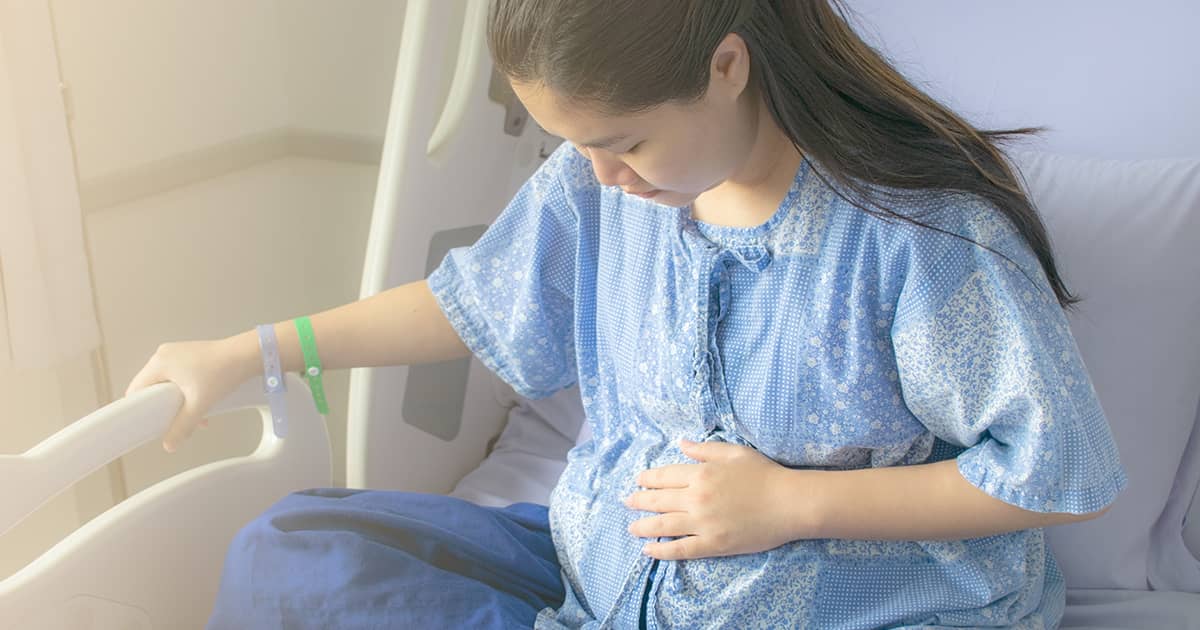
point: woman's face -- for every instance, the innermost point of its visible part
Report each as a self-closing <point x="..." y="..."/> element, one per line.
<point x="674" y="151"/>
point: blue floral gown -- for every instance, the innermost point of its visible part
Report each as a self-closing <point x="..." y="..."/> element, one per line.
<point x="824" y="338"/>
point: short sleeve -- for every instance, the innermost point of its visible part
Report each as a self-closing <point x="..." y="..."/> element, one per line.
<point x="510" y="296"/>
<point x="986" y="361"/>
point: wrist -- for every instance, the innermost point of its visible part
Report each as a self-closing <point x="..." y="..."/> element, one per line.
<point x="244" y="355"/>
<point x="804" y="500"/>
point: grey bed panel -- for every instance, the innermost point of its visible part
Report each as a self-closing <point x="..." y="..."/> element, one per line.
<point x="434" y="392"/>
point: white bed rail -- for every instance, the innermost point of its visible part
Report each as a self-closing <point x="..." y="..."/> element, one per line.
<point x="153" y="560"/>
<point x="447" y="163"/>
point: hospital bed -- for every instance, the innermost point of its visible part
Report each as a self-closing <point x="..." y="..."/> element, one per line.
<point x="1117" y="179"/>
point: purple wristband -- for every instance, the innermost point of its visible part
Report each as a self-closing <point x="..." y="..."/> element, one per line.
<point x="273" y="384"/>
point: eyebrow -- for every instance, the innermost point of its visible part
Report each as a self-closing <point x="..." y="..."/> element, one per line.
<point x="604" y="143"/>
<point x="599" y="143"/>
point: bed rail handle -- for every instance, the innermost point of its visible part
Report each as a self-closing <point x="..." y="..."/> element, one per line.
<point x="466" y="72"/>
<point x="61" y="460"/>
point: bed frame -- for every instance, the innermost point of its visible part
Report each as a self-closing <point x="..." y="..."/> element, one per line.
<point x="154" y="560"/>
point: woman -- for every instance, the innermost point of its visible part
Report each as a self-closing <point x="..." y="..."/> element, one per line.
<point x="817" y="328"/>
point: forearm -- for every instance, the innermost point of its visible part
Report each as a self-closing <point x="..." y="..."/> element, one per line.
<point x="400" y="326"/>
<point x="921" y="502"/>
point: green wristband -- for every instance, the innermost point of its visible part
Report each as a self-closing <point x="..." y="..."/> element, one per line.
<point x="312" y="363"/>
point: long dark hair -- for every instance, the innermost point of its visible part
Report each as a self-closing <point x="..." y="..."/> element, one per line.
<point x="838" y="100"/>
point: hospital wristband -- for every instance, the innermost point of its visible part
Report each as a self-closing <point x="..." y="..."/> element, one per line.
<point x="274" y="384"/>
<point x="312" y="363"/>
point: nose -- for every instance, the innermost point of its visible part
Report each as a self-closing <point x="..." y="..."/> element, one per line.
<point x="609" y="170"/>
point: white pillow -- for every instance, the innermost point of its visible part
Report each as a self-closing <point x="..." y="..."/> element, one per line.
<point x="1191" y="520"/>
<point x="531" y="452"/>
<point x="1171" y="567"/>
<point x="1125" y="235"/>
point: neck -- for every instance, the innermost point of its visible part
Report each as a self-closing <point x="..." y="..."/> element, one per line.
<point x="773" y="158"/>
<point x="755" y="191"/>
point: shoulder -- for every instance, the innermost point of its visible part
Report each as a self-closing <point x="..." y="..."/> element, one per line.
<point x="958" y="230"/>
<point x="563" y="187"/>
<point x="971" y="256"/>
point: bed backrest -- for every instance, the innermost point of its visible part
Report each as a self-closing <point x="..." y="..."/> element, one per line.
<point x="1115" y="82"/>
<point x="454" y="154"/>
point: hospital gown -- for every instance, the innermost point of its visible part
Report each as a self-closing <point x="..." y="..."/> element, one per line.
<point x="824" y="338"/>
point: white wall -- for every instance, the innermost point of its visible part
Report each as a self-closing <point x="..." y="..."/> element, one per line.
<point x="227" y="155"/>
<point x="975" y="77"/>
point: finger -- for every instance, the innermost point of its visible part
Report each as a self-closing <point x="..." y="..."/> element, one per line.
<point x="204" y="422"/>
<point x="705" y="451"/>
<point x="670" y="476"/>
<point x="669" y="500"/>
<point x="672" y="524"/>
<point x="180" y="430"/>
<point x="144" y="378"/>
<point x="686" y="548"/>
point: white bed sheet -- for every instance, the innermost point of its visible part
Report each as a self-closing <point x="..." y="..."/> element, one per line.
<point x="1104" y="609"/>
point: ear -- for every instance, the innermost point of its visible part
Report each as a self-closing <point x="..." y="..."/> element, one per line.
<point x="729" y="71"/>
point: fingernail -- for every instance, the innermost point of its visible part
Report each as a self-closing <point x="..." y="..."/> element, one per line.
<point x="168" y="448"/>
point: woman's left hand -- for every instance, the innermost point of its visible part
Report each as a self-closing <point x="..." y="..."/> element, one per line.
<point x="736" y="500"/>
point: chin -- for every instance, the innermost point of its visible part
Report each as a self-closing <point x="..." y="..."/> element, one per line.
<point x="675" y="199"/>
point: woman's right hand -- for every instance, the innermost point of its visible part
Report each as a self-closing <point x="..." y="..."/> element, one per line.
<point x="205" y="371"/>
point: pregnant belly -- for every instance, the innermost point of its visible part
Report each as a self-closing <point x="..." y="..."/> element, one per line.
<point x="599" y="556"/>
